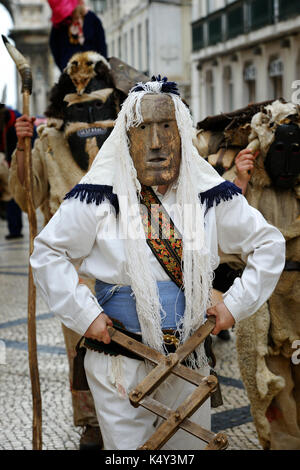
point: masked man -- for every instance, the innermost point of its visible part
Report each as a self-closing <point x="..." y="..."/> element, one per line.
<point x="267" y="342"/>
<point x="83" y="106"/>
<point x="149" y="158"/>
<point x="220" y="139"/>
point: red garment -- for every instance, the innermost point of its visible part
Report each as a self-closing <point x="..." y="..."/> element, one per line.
<point x="61" y="9"/>
<point x="7" y="125"/>
<point x="273" y="413"/>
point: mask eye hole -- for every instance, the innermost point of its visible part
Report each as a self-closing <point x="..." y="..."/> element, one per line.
<point x="295" y="147"/>
<point x="279" y="147"/>
<point x="166" y="125"/>
<point x="143" y="126"/>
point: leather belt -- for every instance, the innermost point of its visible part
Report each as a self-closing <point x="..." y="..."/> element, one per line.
<point x="114" y="349"/>
<point x="171" y="339"/>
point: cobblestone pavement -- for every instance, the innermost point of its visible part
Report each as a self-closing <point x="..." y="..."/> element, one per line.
<point x="59" y="433"/>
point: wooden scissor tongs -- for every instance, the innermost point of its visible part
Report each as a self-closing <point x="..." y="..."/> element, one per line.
<point x="164" y="366"/>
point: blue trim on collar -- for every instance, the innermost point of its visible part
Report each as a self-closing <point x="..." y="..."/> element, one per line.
<point x="96" y="193"/>
<point x="223" y="192"/>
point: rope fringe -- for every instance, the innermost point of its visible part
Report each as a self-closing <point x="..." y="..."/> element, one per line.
<point x="217" y="194"/>
<point x="94" y="193"/>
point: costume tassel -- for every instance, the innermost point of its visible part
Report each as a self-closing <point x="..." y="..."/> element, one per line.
<point x="94" y="193"/>
<point x="222" y="192"/>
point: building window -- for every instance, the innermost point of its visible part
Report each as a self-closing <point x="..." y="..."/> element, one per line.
<point x="214" y="26"/>
<point x="261" y="13"/>
<point x="228" y="89"/>
<point x="119" y="47"/>
<point x="210" y="93"/>
<point x="147" y="46"/>
<point x="197" y="36"/>
<point x="276" y="78"/>
<point x="250" y="81"/>
<point x="140" y="51"/>
<point x="210" y="6"/>
<point x="235" y="21"/>
<point x="288" y="8"/>
<point x="132" y="47"/>
<point x="99" y="6"/>
<point x="125" y="48"/>
<point x="112" y="52"/>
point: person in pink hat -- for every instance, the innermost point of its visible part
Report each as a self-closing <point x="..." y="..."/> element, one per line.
<point x="75" y="28"/>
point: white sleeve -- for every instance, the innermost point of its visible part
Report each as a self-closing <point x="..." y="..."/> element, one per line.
<point x="243" y="230"/>
<point x="69" y="235"/>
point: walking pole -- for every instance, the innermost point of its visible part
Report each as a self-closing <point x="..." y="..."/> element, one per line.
<point x="25" y="72"/>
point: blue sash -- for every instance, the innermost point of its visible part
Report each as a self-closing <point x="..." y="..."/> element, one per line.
<point x="118" y="302"/>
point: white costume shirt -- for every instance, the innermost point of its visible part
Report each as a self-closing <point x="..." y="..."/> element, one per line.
<point x="84" y="231"/>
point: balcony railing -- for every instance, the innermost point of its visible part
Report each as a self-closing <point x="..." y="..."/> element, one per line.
<point x="261" y="13"/>
<point x="235" y="21"/>
<point x="214" y="30"/>
<point x="198" y="36"/>
<point x="240" y="17"/>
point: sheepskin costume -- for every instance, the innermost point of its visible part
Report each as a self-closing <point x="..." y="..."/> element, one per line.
<point x="55" y="168"/>
<point x="56" y="171"/>
<point x="265" y="340"/>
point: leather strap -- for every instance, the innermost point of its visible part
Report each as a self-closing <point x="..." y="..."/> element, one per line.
<point x="115" y="349"/>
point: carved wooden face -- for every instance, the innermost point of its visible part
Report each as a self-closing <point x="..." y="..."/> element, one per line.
<point x="155" y="145"/>
<point x="89" y="120"/>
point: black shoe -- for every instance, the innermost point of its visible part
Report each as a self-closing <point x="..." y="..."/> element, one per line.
<point x="224" y="335"/>
<point x="10" y="236"/>
<point x="91" y="438"/>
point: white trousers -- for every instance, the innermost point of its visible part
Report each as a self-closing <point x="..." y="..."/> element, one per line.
<point x="124" y="427"/>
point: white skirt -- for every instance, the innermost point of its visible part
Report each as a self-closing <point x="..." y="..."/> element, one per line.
<point x="123" y="427"/>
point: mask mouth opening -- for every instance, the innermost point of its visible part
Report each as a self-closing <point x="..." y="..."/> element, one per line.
<point x="91" y="132"/>
<point x="157" y="159"/>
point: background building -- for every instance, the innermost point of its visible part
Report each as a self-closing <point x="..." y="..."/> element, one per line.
<point x="243" y="51"/>
<point x="223" y="53"/>
<point x="30" y="34"/>
<point x="152" y="36"/>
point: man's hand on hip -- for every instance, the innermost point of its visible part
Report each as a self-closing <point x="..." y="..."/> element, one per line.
<point x="224" y="319"/>
<point x="98" y="329"/>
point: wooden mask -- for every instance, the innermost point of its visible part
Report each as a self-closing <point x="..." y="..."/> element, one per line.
<point x="155" y="145"/>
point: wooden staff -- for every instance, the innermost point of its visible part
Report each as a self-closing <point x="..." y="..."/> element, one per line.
<point x="25" y="72"/>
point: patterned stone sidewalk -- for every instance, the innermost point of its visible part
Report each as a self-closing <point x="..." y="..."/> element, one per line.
<point x="59" y="433"/>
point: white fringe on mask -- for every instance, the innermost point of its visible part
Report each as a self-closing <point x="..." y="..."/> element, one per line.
<point x="197" y="272"/>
